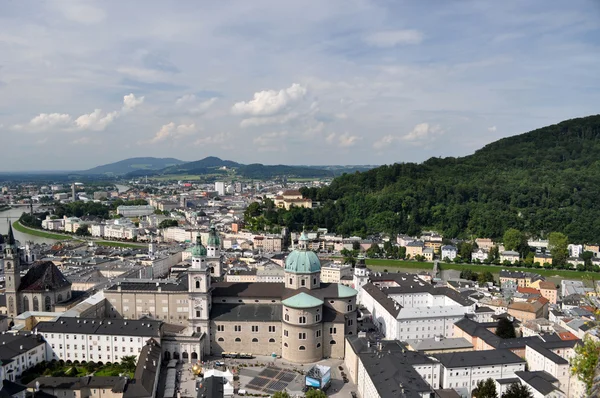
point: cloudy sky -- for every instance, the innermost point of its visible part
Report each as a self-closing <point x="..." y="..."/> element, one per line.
<point x="84" y="83"/>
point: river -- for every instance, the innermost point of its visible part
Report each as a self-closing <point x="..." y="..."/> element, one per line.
<point x="14" y="215"/>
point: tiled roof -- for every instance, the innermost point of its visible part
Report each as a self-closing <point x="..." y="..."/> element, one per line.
<point x="43" y="276"/>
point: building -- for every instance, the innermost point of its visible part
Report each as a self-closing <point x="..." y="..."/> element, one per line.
<point x="480" y="255"/>
<point x="335" y="273"/>
<point x="19" y="352"/>
<point x="389" y="369"/>
<point x="438" y="345"/>
<point x="220" y="188"/>
<point x="548" y="290"/>
<point x="449" y="252"/>
<point x="135" y="211"/>
<point x="518" y="278"/>
<point x="528" y="310"/>
<point x="292" y="198"/>
<point x="463" y="370"/>
<point x="405" y="307"/>
<point x="541" y="384"/>
<point x="415" y="249"/>
<point x="42" y="287"/>
<point x="510" y="256"/>
<point x="484" y="243"/>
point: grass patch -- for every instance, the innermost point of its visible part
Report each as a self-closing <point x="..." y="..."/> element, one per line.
<point x="495" y="269"/>
<point x="36" y="232"/>
<point x="120" y="244"/>
<point x="381" y="262"/>
<point x="79" y="369"/>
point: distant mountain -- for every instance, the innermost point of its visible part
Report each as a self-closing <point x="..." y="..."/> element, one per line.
<point x="214" y="165"/>
<point x="203" y="166"/>
<point x="134" y="165"/>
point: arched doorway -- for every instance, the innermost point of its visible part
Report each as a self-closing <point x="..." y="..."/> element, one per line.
<point x="175" y="355"/>
<point x="59" y="298"/>
<point x="185" y="356"/>
<point x="194" y="356"/>
<point x="167" y="356"/>
<point x="25" y="304"/>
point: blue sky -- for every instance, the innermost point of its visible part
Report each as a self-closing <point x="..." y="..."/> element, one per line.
<point x="84" y="83"/>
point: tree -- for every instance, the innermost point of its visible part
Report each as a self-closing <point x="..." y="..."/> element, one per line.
<point x="517" y="390"/>
<point x="515" y="240"/>
<point x="128" y="363"/>
<point x="315" y="394"/>
<point x="83" y="230"/>
<point x="465" y="250"/>
<point x="485" y="277"/>
<point x="505" y="329"/>
<point x="494" y="254"/>
<point x="168" y="223"/>
<point x="355" y="245"/>
<point x="468" y="275"/>
<point x="584" y="363"/>
<point x="558" y="243"/>
<point x="485" y="389"/>
<point x="281" y="394"/>
<point x="374" y="250"/>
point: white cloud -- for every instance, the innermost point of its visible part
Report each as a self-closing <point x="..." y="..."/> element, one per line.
<point x="96" y="120"/>
<point x="423" y="132"/>
<point x="219" y="138"/>
<point x="82" y="13"/>
<point x="173" y="131"/>
<point x="344" y="140"/>
<point x="385" y="141"/>
<point x="193" y="105"/>
<point x="130" y="102"/>
<point x="270" y="102"/>
<point x="492" y="129"/>
<point x="261" y="121"/>
<point x="392" y="38"/>
<point x="44" y="121"/>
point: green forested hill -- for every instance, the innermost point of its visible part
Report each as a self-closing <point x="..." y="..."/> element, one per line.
<point x="538" y="182"/>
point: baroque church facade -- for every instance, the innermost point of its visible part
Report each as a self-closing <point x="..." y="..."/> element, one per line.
<point x="42" y="287"/>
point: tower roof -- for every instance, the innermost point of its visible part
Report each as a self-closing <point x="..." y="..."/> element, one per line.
<point x="11" y="236"/>
<point x="302" y="300"/>
<point x="43" y="275"/>
<point x="213" y="238"/>
<point x="199" y="250"/>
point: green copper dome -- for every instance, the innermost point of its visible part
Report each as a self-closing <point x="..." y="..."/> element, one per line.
<point x="213" y="238"/>
<point x="302" y="260"/>
<point x="199" y="250"/>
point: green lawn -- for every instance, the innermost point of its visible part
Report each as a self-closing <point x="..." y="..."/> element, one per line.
<point x="398" y="263"/>
<point x="494" y="269"/>
<point x="36" y="232"/>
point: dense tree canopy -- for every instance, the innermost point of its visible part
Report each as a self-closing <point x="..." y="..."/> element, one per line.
<point x="517" y="390"/>
<point x="505" y="329"/>
<point x="542" y="181"/>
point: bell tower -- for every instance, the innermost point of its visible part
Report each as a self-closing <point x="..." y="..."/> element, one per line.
<point x="12" y="274"/>
<point x="199" y="289"/>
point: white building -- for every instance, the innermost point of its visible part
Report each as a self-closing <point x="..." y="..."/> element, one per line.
<point x="135" y="211"/>
<point x="575" y="250"/>
<point x="479" y="254"/>
<point x="97" y="230"/>
<point x="509" y="255"/>
<point x="92" y="339"/>
<point x="120" y="232"/>
<point x="220" y="188"/>
<point x="462" y="371"/>
<point x="334" y="273"/>
<point x="449" y="252"/>
<point x="542" y="359"/>
<point x="20" y="352"/>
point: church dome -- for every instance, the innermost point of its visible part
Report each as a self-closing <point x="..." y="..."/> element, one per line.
<point x="199" y="250"/>
<point x="302" y="260"/>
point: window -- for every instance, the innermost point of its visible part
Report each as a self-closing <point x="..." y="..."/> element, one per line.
<point x="332" y="342"/>
<point x="314" y="281"/>
<point x="287" y="317"/>
<point x="285" y="344"/>
<point x="290" y="281"/>
<point x="317" y="318"/>
<point x="237" y="328"/>
<point x="254" y="329"/>
<point x="301" y="336"/>
<point x="302" y="319"/>
<point x="221" y="339"/>
<point x="255" y="340"/>
<point x="303" y="282"/>
<point x="318" y="345"/>
<point x="220" y="328"/>
<point x="238" y="340"/>
<point x="271" y="340"/>
<point x="285" y="333"/>
<point x="301" y="348"/>
<point x="197" y="284"/>
<point x="350" y="322"/>
<point x="332" y="330"/>
<point x="271" y="329"/>
<point x="318" y="334"/>
<point x="197" y="314"/>
<point x="349" y="307"/>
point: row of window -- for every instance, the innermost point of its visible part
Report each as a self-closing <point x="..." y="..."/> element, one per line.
<point x="302" y="319"/>
<point x="90" y="338"/>
<point x="238" y="340"/>
<point x="116" y="349"/>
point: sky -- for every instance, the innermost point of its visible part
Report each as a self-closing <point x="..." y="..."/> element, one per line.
<point x="84" y="83"/>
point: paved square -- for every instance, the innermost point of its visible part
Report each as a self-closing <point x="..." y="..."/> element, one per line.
<point x="271" y="380"/>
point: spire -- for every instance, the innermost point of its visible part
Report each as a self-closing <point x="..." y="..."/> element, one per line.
<point x="11" y="236"/>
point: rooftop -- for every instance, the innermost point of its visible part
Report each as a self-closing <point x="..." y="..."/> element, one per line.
<point x="302" y="300"/>
<point x="118" y="327"/>
<point x="478" y="358"/>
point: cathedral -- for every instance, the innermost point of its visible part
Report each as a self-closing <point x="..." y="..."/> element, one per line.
<point x="40" y="289"/>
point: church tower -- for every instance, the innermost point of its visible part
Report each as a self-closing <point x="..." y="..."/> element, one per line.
<point x="12" y="274"/>
<point x="199" y="289"/>
<point x="151" y="248"/>
<point x="213" y="247"/>
<point x="361" y="274"/>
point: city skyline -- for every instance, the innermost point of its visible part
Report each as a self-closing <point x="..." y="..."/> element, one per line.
<point x="365" y="82"/>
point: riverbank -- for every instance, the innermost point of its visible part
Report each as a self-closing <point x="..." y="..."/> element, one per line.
<point x="36" y="232"/>
<point x="494" y="269"/>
